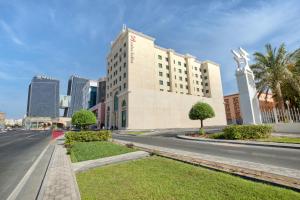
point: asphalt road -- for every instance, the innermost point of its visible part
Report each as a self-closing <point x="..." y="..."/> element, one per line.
<point x="281" y="157"/>
<point x="18" y="151"/>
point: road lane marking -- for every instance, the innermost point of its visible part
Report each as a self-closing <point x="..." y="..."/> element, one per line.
<point x="14" y="194"/>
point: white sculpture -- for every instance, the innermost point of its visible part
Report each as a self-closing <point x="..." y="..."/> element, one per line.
<point x="248" y="95"/>
<point x="241" y="57"/>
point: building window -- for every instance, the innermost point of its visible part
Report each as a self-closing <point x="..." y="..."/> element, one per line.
<point x="167" y="66"/>
<point x="124" y="64"/>
<point x="196" y="68"/>
<point x="206" y="84"/>
<point x="161" y="82"/>
<point x="174" y="61"/>
<point x="184" y="64"/>
<point x="186" y="79"/>
<point x="181" y="86"/>
<point x="168" y="75"/>
<point x="159" y="65"/>
<point x="167" y="59"/>
<point x="196" y="75"/>
<point x="176" y="85"/>
<point x="204" y="70"/>
<point x="197" y="82"/>
<point x="124" y="75"/>
<point x="120" y="88"/>
<point x="207" y="91"/>
<point x="160" y="74"/>
<point x="180" y="78"/>
<point x="179" y="63"/>
<point x="162" y="90"/>
<point x="187" y="87"/>
<point x="180" y="70"/>
<point x="168" y="83"/>
<point x="159" y="57"/>
<point x="124" y="85"/>
<point x="185" y="72"/>
<point x="120" y="78"/>
<point x="205" y="77"/>
<point x="175" y="77"/>
<point x="197" y="89"/>
<point x="124" y="44"/>
<point x="124" y="55"/>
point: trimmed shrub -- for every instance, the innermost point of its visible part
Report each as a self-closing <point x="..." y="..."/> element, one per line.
<point x="242" y="132"/>
<point x="201" y="111"/>
<point x="82" y="119"/>
<point x="86" y="136"/>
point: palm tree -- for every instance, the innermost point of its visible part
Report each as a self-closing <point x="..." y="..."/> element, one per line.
<point x="271" y="72"/>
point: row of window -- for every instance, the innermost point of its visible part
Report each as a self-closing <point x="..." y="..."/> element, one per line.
<point x="116" y="54"/>
<point x="120" y="89"/>
<point x="206" y="91"/>
<point x="179" y="63"/>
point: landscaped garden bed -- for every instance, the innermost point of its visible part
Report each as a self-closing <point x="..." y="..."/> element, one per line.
<point x="81" y="151"/>
<point x="90" y="145"/>
<point x="161" y="178"/>
<point x="246" y="132"/>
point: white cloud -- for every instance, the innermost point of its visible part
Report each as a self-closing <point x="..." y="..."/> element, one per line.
<point x="11" y="33"/>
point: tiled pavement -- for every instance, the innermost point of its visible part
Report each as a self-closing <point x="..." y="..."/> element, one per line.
<point x="60" y="182"/>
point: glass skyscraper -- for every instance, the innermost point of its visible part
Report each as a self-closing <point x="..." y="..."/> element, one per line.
<point x="43" y="97"/>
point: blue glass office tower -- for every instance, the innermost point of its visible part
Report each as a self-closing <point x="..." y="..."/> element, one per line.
<point x="43" y="97"/>
<point x="75" y="86"/>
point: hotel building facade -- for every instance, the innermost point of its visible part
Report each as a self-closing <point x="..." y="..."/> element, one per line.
<point x="150" y="87"/>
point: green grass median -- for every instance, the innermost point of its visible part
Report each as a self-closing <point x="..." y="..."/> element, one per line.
<point x="160" y="178"/>
<point x="281" y="140"/>
<point x="82" y="151"/>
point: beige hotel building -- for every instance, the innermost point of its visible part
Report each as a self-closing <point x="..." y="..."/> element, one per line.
<point x="150" y="87"/>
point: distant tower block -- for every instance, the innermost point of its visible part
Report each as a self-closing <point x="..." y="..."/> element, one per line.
<point x="248" y="95"/>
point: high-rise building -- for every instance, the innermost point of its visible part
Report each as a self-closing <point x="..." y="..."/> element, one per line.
<point x="75" y="86"/>
<point x="89" y="94"/>
<point x="153" y="87"/>
<point x="101" y="90"/>
<point x="99" y="108"/>
<point x="43" y="97"/>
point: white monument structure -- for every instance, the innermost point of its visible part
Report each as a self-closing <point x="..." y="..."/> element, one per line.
<point x="248" y="95"/>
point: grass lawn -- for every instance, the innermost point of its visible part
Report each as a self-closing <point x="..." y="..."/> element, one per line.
<point x="161" y="178"/>
<point x="136" y="132"/>
<point x="281" y="139"/>
<point x="92" y="150"/>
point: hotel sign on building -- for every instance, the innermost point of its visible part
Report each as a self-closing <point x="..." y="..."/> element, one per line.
<point x="132" y="41"/>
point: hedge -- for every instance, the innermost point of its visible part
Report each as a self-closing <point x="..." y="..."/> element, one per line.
<point x="86" y="136"/>
<point x="242" y="132"/>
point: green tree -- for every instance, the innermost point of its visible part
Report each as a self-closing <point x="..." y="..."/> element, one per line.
<point x="201" y="111"/>
<point x="272" y="72"/>
<point x="83" y="118"/>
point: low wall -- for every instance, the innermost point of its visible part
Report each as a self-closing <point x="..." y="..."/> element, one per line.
<point x="286" y="127"/>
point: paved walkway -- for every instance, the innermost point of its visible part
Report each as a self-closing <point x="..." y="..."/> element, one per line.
<point x="60" y="182"/>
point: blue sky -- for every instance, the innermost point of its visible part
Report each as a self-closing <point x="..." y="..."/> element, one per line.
<point x="59" y="38"/>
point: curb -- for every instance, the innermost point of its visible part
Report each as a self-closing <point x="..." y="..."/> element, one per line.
<point x="265" y="144"/>
<point x="252" y="174"/>
<point x="89" y="164"/>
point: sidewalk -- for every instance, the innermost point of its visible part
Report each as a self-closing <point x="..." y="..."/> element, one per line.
<point x="60" y="182"/>
<point x="243" y="142"/>
<point x="268" y="173"/>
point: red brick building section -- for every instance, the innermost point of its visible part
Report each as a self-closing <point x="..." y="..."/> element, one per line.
<point x="232" y="107"/>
